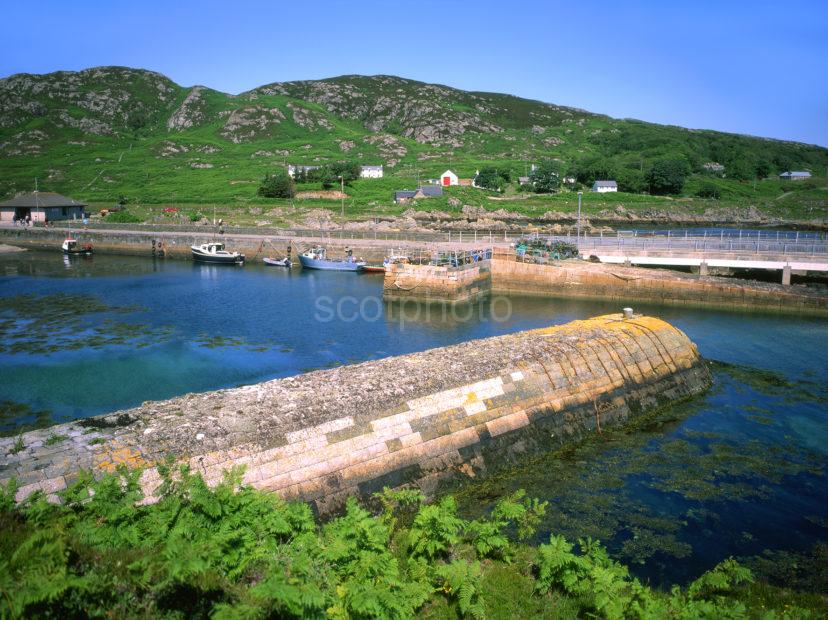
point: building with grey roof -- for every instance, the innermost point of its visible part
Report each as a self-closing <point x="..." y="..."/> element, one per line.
<point x="796" y="175"/>
<point x="41" y="207"/>
<point x="429" y="191"/>
<point x="602" y="187"/>
<point x="404" y="195"/>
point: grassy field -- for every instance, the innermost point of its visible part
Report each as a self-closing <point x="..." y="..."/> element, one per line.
<point x="372" y="199"/>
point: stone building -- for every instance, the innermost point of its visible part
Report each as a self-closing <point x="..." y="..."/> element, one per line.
<point x="41" y="207"/>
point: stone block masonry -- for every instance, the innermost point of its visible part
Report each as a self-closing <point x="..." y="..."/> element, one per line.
<point x="503" y="274"/>
<point x="422" y="419"/>
<point x="466" y="283"/>
<point x="633" y="284"/>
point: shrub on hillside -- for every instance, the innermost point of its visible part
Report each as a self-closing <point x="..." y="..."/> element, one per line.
<point x="277" y="185"/>
<point x="546" y="177"/>
<point x="708" y="190"/>
<point x="592" y="168"/>
<point x="631" y="180"/>
<point x="667" y="176"/>
<point x="329" y="174"/>
<point x="489" y="177"/>
<point x="123" y="217"/>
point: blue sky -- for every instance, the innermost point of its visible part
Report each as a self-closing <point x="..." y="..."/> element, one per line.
<point x="750" y="67"/>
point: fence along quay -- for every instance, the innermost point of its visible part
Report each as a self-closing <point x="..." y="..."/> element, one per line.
<point x="325" y="435"/>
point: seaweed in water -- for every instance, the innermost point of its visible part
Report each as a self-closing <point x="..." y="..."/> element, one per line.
<point x="45" y="324"/>
<point x="16" y="418"/>
<point x="122" y="419"/>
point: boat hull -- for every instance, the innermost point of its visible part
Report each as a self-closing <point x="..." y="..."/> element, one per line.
<point x="78" y="252"/>
<point x="218" y="260"/>
<point x="330" y="265"/>
<point x="277" y="262"/>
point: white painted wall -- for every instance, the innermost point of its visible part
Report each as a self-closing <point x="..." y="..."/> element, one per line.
<point x="453" y="180"/>
<point x="371" y="174"/>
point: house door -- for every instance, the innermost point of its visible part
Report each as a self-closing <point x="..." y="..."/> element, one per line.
<point x="446" y="181"/>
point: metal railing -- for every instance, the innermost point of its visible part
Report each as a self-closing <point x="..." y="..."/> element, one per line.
<point x="755" y="246"/>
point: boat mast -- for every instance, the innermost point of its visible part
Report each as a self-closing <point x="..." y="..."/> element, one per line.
<point x="37" y="200"/>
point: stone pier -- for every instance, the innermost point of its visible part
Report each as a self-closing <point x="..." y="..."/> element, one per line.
<point x="422" y="419"/>
<point x="441" y="283"/>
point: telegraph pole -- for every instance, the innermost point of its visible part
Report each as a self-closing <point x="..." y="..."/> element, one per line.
<point x="342" y="198"/>
<point x="578" y="227"/>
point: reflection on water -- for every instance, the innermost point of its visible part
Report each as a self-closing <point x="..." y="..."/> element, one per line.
<point x="734" y="472"/>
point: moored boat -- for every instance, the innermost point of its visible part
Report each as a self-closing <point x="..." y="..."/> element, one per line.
<point x="317" y="258"/>
<point x="373" y="269"/>
<point x="214" y="252"/>
<point x="71" y="246"/>
<point x="278" y="262"/>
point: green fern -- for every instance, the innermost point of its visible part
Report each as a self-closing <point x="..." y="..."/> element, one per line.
<point x="461" y="581"/>
<point x="435" y="529"/>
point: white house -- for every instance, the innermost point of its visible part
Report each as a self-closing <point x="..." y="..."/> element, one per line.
<point x="603" y="187"/>
<point x="371" y="172"/>
<point x="449" y="178"/>
<point x="796" y="175"/>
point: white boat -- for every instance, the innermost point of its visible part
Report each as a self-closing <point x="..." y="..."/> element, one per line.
<point x="278" y="262"/>
<point x="214" y="252"/>
<point x="71" y="246"/>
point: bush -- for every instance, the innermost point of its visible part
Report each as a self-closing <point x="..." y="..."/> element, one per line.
<point x="329" y="174"/>
<point x="631" y="180"/>
<point x="667" y="176"/>
<point x="123" y="217"/>
<point x="277" y="185"/>
<point x="546" y="178"/>
<point x="591" y="169"/>
<point x="708" y="190"/>
<point x="491" y="178"/>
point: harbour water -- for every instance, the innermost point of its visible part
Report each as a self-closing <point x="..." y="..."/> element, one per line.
<point x="738" y="471"/>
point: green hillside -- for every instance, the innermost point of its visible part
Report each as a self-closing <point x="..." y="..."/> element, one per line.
<point x="108" y="132"/>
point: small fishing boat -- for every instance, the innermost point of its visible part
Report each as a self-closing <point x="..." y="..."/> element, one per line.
<point x="71" y="246"/>
<point x="373" y="269"/>
<point x="214" y="252"/>
<point x="317" y="258"/>
<point x="278" y="262"/>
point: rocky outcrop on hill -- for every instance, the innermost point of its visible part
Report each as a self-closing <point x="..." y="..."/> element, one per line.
<point x="309" y="119"/>
<point x="121" y="98"/>
<point x="389" y="147"/>
<point x="251" y="122"/>
<point x="191" y="111"/>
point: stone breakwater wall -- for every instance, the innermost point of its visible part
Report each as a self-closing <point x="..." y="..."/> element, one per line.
<point x="177" y="245"/>
<point x="599" y="281"/>
<point x="437" y="283"/>
<point x="424" y="419"/>
<point x="505" y="275"/>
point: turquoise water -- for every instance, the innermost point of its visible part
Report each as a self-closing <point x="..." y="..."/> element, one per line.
<point x="737" y="471"/>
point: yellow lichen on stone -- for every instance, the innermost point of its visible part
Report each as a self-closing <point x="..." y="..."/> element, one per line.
<point x="116" y="455"/>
